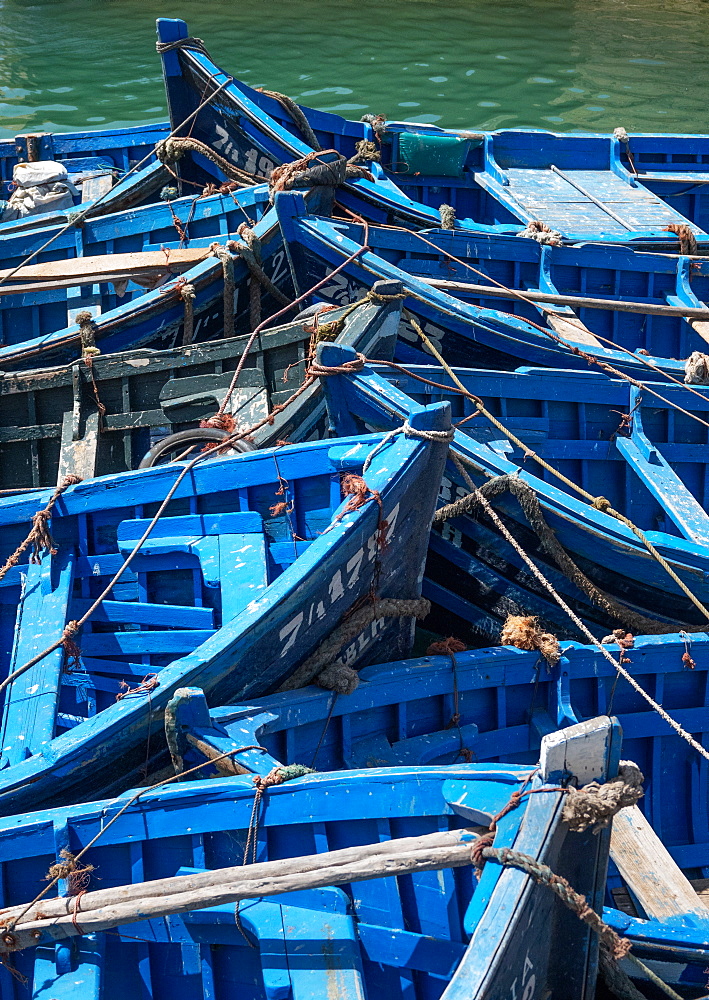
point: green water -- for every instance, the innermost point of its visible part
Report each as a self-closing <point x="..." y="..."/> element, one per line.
<point x="560" y="64"/>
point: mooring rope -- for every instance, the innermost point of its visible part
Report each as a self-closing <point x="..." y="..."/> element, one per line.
<point x="597" y="502"/>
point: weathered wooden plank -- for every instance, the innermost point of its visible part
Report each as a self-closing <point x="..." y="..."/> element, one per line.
<point x="106" y="908"/>
<point x="109" y="267"/>
<point x="647" y="867"/>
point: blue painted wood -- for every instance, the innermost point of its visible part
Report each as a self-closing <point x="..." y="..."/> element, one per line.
<point x="83" y="153"/>
<point x="491" y="332"/>
<point x="407" y="706"/>
<point x="249" y="620"/>
<point x="39" y="327"/>
<point x="306" y="944"/>
<point x="506" y="178"/>
<point x="572" y="419"/>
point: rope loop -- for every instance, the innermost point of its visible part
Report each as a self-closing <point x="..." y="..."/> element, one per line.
<point x="408" y="431"/>
<point x="596" y="804"/>
<point x="196" y="44"/>
<point x="541" y="233"/>
<point x="346" y="368"/>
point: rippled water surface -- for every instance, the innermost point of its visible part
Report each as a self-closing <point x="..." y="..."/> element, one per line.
<point x="561" y="64"/>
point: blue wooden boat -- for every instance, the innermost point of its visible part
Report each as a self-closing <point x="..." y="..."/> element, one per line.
<point x="427" y="934"/>
<point x="651" y="467"/>
<point x="111" y="413"/>
<point x="404" y="714"/>
<point x="468" y="331"/>
<point x="255" y="562"/>
<point x="581" y="186"/>
<point x="85" y="270"/>
<point x="102" y="164"/>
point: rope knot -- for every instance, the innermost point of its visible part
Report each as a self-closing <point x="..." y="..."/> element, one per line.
<point x="68" y="870"/>
<point x="595" y="804"/>
<point x="621" y="135"/>
<point x="377" y="123"/>
<point x="221" y="422"/>
<point x="366" y="150"/>
<point x="600" y="503"/>
<point x="71" y="649"/>
<point x="696" y="369"/>
<point x="380" y="299"/>
<point x="541" y="233"/>
<point x="316" y="370"/>
<point x="169" y="151"/>
<point x="187" y="292"/>
<point x="524" y="633"/>
<point x="279" y="775"/>
<point x="446" y="647"/>
<point x="687" y="239"/>
<point x="148" y="684"/>
<point x="447" y="214"/>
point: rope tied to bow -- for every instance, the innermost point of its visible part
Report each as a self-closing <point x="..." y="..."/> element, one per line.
<point x="312" y="171"/>
<point x="596" y="804"/>
<point x="617" y="946"/>
<point x="316" y="370"/>
<point x="170" y="150"/>
<point x="541" y="233"/>
<point x="319" y="666"/>
<point x="444" y="437"/>
<point x="297" y="115"/>
<point x="196" y="44"/>
<point x="524" y="633"/>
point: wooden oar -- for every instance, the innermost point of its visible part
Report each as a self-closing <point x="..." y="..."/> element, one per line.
<point x="138" y="266"/>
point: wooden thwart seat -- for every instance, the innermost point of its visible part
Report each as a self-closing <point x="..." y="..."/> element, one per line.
<point x="648" y="869"/>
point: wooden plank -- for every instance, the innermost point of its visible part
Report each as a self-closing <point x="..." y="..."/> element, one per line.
<point x="112" y="907"/>
<point x="78" y="457"/>
<point x="106" y="267"/>
<point x="647" y="867"/>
